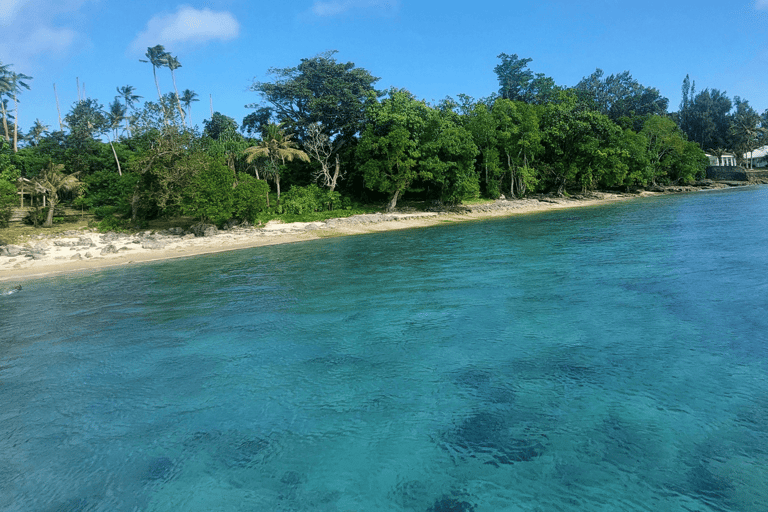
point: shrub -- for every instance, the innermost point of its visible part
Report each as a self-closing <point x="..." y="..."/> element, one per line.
<point x="250" y="197"/>
<point x="210" y="195"/>
<point x="7" y="200"/>
<point x="300" y="200"/>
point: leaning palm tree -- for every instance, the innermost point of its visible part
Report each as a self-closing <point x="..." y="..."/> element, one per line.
<point x="6" y="116"/>
<point x="187" y="97"/>
<point x="50" y="182"/>
<point x="276" y="146"/>
<point x="18" y="82"/>
<point x="173" y="63"/>
<point x="157" y="57"/>
<point x="5" y="87"/>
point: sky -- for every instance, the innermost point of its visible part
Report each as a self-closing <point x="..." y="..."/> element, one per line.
<point x="433" y="49"/>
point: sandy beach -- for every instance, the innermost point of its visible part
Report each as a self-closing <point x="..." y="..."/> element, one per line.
<point x="82" y="250"/>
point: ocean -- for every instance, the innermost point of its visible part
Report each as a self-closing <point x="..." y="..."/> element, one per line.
<point x="593" y="359"/>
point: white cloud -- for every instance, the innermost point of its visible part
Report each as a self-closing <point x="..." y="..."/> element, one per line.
<point x="27" y="41"/>
<point x="9" y="9"/>
<point x="186" y="25"/>
<point x="761" y="4"/>
<point x="337" y="7"/>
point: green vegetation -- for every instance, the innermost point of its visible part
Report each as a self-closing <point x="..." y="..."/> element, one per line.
<point x="323" y="141"/>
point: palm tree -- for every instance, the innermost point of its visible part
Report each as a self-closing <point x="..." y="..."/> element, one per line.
<point x="173" y="64"/>
<point x="6" y="114"/>
<point x="5" y="87"/>
<point x="277" y="145"/>
<point x="129" y="98"/>
<point x="51" y="181"/>
<point x="37" y="131"/>
<point x="157" y="57"/>
<point x="18" y="82"/>
<point x="187" y="97"/>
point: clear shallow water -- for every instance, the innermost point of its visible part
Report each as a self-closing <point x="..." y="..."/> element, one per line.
<point x="610" y="358"/>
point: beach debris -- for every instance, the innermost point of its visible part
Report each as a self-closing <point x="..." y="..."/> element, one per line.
<point x="204" y="230"/>
<point x="13" y="290"/>
<point x="152" y="244"/>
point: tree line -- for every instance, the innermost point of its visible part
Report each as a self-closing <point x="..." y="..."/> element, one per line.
<point x="322" y="136"/>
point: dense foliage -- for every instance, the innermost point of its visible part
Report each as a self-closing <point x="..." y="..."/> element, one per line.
<point x="324" y="136"/>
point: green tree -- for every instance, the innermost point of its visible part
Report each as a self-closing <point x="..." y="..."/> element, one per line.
<point x="448" y="158"/>
<point x="620" y="95"/>
<point x="166" y="169"/>
<point x="37" y="132"/>
<point x="745" y="132"/>
<point x="390" y="145"/>
<point x="173" y="64"/>
<point x="158" y="57"/>
<point x="665" y="144"/>
<point x="126" y="92"/>
<point x="319" y="91"/>
<point x="250" y="197"/>
<point x="187" y="98"/>
<point x="209" y="196"/>
<point x="12" y="84"/>
<point x="581" y="147"/>
<point x="406" y="141"/>
<point x="519" y="142"/>
<point x="277" y="146"/>
<point x="518" y="83"/>
<point x="483" y="126"/>
<point x="51" y="182"/>
<point x="705" y="119"/>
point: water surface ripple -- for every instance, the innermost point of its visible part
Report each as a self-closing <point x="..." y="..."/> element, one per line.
<point x="597" y="359"/>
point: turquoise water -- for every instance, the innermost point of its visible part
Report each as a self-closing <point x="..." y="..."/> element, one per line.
<point x="598" y="359"/>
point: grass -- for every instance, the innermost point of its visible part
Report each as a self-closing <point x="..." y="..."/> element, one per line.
<point x="18" y="232"/>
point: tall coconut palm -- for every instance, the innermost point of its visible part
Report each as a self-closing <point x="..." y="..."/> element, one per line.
<point x="50" y="182"/>
<point x="276" y="146"/>
<point x="37" y="131"/>
<point x="129" y="98"/>
<point x="187" y="97"/>
<point x="5" y="87"/>
<point x="18" y="82"/>
<point x="157" y="56"/>
<point x="173" y="64"/>
<point x="6" y="115"/>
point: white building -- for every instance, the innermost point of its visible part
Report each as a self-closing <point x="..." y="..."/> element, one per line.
<point x="726" y="160"/>
<point x="758" y="157"/>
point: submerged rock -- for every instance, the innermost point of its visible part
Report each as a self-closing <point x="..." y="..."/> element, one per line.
<point x="489" y="436"/>
<point x="449" y="504"/>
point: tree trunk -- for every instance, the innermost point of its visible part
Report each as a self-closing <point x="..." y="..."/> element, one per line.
<point x="15" y="124"/>
<point x="511" y="175"/>
<point x="160" y="96"/>
<point x="49" y="217"/>
<point x="277" y="182"/>
<point x="178" y="100"/>
<point x="393" y="201"/>
<point x="5" y="122"/>
<point x="335" y="173"/>
<point x="119" y="171"/>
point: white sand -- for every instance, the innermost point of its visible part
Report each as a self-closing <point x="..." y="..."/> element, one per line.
<point x="90" y="250"/>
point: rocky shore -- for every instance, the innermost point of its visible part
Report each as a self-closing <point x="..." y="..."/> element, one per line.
<point x="88" y="249"/>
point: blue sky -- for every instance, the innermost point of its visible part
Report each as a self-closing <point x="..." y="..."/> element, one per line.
<point x="433" y="49"/>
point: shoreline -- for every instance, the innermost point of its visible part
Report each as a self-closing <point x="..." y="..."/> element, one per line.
<point x="71" y="252"/>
